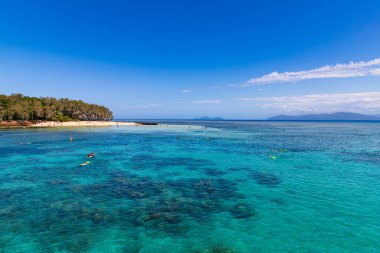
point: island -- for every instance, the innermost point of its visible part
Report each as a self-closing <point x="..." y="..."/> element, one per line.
<point x="17" y="110"/>
<point x="338" y="116"/>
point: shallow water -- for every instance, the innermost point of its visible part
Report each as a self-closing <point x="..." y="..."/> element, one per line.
<point x="233" y="187"/>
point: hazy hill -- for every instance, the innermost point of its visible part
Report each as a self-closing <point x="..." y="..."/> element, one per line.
<point x="327" y="116"/>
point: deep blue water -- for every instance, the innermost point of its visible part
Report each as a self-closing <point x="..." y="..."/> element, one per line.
<point x="231" y="187"/>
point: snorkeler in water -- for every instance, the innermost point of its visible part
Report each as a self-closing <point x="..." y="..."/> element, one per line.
<point x="273" y="157"/>
<point x="91" y="155"/>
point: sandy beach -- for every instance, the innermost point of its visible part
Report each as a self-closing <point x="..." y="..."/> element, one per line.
<point x="83" y="124"/>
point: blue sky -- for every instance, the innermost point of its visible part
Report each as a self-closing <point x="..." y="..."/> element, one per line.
<point x="184" y="59"/>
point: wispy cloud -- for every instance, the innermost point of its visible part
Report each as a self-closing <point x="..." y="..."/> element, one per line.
<point x="211" y="101"/>
<point x="352" y="69"/>
<point x="364" y="102"/>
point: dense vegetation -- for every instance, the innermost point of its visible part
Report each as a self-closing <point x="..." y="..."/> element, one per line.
<point x="19" y="107"/>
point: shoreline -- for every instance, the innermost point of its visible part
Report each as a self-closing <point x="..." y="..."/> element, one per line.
<point x="83" y="124"/>
<point x="52" y="124"/>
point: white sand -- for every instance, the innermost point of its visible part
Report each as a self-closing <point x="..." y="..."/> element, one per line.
<point x="83" y="124"/>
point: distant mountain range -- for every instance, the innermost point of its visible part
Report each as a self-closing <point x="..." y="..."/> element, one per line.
<point x="208" y="118"/>
<point x="327" y="116"/>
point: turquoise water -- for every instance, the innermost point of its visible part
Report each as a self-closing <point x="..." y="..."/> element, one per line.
<point x="233" y="187"/>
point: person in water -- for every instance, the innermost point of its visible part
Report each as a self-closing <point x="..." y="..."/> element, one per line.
<point x="273" y="157"/>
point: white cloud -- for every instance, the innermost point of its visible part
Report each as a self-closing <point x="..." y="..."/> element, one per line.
<point x="186" y="91"/>
<point x="364" y="102"/>
<point x="352" y="69"/>
<point x="211" y="101"/>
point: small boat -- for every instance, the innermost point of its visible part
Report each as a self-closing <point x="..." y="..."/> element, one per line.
<point x="85" y="163"/>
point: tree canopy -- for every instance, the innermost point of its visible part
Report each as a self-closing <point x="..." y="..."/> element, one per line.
<point x="19" y="107"/>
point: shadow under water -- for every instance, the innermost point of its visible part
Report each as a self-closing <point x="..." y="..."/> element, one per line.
<point x="265" y="178"/>
<point x="70" y="219"/>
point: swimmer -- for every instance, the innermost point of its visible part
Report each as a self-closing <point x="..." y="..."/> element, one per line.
<point x="91" y="155"/>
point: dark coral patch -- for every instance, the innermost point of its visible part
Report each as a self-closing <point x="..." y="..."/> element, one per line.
<point x="364" y="157"/>
<point x="161" y="205"/>
<point x="240" y="169"/>
<point x="213" y="172"/>
<point x="265" y="178"/>
<point x="125" y="185"/>
<point x="216" y="249"/>
<point x="242" y="211"/>
<point x="278" y="201"/>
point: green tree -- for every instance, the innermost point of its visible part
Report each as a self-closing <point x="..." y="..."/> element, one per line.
<point x="19" y="107"/>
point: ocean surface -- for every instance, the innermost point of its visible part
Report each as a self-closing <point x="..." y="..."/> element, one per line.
<point x="214" y="187"/>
